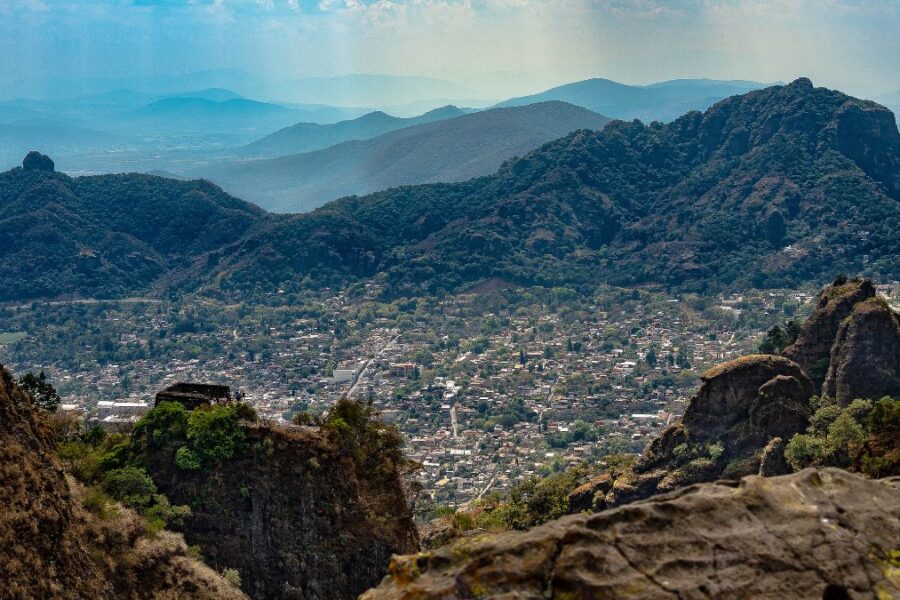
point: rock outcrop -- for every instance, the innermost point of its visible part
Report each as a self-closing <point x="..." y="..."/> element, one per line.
<point x="296" y="516"/>
<point x="52" y="547"/>
<point x="812" y="534"/>
<point x="812" y="349"/>
<point x="865" y="356"/>
<point x="741" y="407"/>
<point x="35" y="161"/>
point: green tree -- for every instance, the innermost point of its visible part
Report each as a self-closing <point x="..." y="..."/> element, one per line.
<point x="131" y="486"/>
<point x="42" y="394"/>
<point x="651" y="357"/>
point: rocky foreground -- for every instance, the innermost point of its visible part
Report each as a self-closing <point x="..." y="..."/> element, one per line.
<point x="52" y="546"/>
<point x="814" y="534"/>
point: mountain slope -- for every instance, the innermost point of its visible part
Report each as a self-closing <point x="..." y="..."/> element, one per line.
<point x="306" y="137"/>
<point x="777" y="187"/>
<point x="53" y="546"/>
<point x="657" y="102"/>
<point x="447" y="150"/>
<point x="107" y="235"/>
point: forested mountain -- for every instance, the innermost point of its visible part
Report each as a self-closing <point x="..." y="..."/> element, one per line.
<point x="446" y="150"/>
<point x="662" y="101"/>
<point x="108" y="235"/>
<point x="306" y="137"/>
<point x="776" y="187"/>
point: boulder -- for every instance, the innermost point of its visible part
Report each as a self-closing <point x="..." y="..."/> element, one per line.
<point x="865" y="357"/>
<point x="812" y="349"/>
<point x="741" y="406"/>
<point x="730" y="392"/>
<point x="773" y="461"/>
<point x="814" y="534"/>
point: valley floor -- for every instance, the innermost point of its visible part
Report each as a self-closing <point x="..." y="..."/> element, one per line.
<point x="487" y="389"/>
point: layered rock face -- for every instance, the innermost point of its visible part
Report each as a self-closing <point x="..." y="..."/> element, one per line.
<point x="812" y="349"/>
<point x="51" y="547"/>
<point x="746" y="410"/>
<point x="865" y="356"/>
<point x="295" y="516"/>
<point x="740" y="408"/>
<point x="812" y="534"/>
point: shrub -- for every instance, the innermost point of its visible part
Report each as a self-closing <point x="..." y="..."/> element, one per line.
<point x="823" y="418"/>
<point x="215" y="433"/>
<point x="164" y="512"/>
<point x="232" y="576"/>
<point x="804" y="450"/>
<point x="164" y="425"/>
<point x="131" y="486"/>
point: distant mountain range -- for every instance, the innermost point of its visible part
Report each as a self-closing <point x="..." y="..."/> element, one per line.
<point x="306" y="137"/>
<point x="446" y="150"/>
<point x="19" y="137"/>
<point x="663" y="101"/>
<point x="125" y="130"/>
<point x="201" y="114"/>
<point x="369" y="90"/>
<point x="776" y="187"/>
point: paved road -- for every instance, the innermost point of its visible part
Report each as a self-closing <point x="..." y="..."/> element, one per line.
<point x="361" y="374"/>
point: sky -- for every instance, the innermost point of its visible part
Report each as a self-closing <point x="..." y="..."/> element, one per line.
<point x="495" y="48"/>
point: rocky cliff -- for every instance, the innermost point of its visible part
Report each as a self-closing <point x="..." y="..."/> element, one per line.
<point x="865" y="356"/>
<point x="813" y="534"/>
<point x="295" y="512"/>
<point x="746" y="410"/>
<point x="812" y="349"/>
<point x="742" y="407"/>
<point x="51" y="546"/>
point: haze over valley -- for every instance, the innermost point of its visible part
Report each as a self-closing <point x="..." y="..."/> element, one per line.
<point x="431" y="299"/>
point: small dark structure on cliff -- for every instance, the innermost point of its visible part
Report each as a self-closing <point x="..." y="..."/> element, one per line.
<point x="192" y="395"/>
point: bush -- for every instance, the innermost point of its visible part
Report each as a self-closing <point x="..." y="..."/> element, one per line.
<point x="164" y="425"/>
<point x="533" y="502"/>
<point x="804" y="450"/>
<point x="232" y="576"/>
<point x="859" y="436"/>
<point x="131" y="486"/>
<point x="374" y="446"/>
<point x="215" y="433"/>
<point x="823" y="418"/>
<point x="200" y="437"/>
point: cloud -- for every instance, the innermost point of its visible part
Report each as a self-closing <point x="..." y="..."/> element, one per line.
<point x="846" y="43"/>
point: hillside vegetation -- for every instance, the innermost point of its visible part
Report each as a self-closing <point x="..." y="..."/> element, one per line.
<point x="777" y="187"/>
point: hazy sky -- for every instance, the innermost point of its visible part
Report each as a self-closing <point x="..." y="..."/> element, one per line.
<point x="496" y="47"/>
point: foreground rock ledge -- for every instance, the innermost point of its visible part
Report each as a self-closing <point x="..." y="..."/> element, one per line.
<point x="814" y="534"/>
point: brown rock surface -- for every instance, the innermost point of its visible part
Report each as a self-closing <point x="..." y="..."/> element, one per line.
<point x="812" y="534"/>
<point x="741" y="406"/>
<point x="296" y="517"/>
<point x="51" y="547"/>
<point x="812" y="349"/>
<point x="757" y="390"/>
<point x="865" y="357"/>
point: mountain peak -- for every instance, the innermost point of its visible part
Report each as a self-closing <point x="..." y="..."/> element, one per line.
<point x="802" y="82"/>
<point x="35" y="161"/>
